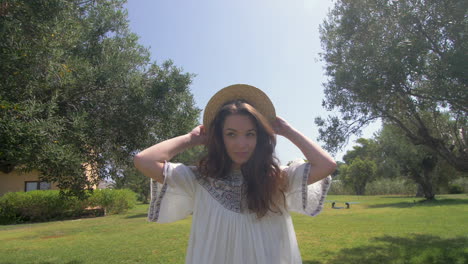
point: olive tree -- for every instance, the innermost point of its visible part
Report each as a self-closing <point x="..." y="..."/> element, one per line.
<point x="78" y="94"/>
<point x="402" y="62"/>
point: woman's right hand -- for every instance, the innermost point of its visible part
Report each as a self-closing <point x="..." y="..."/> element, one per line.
<point x="198" y="136"/>
<point x="150" y="161"/>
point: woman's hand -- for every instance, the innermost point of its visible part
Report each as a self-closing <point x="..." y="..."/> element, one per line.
<point x="281" y="127"/>
<point x="322" y="163"/>
<point x="198" y="136"/>
<point x="150" y="161"/>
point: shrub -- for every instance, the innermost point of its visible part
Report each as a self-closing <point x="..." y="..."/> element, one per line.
<point x="39" y="206"/>
<point x="8" y="213"/>
<point x="384" y="186"/>
<point x="455" y="189"/>
<point x="459" y="185"/>
<point x="113" y="201"/>
<point x="340" y="188"/>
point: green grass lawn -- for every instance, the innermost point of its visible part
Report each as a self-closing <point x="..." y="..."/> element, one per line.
<point x="376" y="229"/>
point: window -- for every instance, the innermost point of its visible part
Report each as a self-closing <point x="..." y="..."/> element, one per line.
<point x="36" y="185"/>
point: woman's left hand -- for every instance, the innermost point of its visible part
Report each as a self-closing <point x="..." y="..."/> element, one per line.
<point x="281" y="126"/>
<point x="322" y="163"/>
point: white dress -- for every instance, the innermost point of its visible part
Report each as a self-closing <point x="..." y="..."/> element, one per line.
<point x="222" y="231"/>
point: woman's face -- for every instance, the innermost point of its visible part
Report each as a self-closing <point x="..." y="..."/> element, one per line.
<point x="240" y="138"/>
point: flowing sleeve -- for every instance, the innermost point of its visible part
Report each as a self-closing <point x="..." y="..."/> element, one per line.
<point x="303" y="198"/>
<point x="174" y="199"/>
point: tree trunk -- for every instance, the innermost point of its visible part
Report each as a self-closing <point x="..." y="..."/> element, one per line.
<point x="425" y="179"/>
<point x="425" y="188"/>
<point x="428" y="190"/>
<point x="360" y="189"/>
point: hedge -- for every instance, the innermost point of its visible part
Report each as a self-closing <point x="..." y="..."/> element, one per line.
<point x="40" y="206"/>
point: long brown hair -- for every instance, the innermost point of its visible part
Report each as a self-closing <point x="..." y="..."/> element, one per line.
<point x="262" y="175"/>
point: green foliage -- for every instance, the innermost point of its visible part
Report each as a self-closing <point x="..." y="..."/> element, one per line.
<point x="418" y="163"/>
<point x="389" y="186"/>
<point x="135" y="181"/>
<point x="358" y="174"/>
<point x="113" y="201"/>
<point x="378" y="186"/>
<point x="400" y="166"/>
<point x="77" y="91"/>
<point x="462" y="182"/>
<point x="338" y="187"/>
<point x="367" y="149"/>
<point x="455" y="189"/>
<point x="366" y="155"/>
<point x="402" y="62"/>
<point x="40" y="206"/>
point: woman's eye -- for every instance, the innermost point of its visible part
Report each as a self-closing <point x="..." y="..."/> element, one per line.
<point x="230" y="134"/>
<point x="251" y="134"/>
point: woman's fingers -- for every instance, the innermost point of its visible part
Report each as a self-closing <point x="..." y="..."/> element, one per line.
<point x="280" y="126"/>
<point x="199" y="135"/>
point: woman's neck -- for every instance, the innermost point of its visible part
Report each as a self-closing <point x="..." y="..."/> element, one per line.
<point x="235" y="166"/>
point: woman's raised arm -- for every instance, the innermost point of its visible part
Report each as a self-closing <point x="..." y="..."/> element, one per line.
<point x="322" y="164"/>
<point x="150" y="161"/>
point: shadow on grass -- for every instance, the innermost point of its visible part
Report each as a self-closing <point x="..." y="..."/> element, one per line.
<point x="424" y="203"/>
<point x="137" y="216"/>
<point x="69" y="262"/>
<point x="416" y="249"/>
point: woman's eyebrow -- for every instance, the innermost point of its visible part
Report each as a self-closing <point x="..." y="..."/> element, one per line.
<point x="232" y="129"/>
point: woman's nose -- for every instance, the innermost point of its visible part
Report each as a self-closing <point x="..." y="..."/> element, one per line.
<point x="242" y="141"/>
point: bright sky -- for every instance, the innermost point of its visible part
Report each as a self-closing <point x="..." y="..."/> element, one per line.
<point x="271" y="44"/>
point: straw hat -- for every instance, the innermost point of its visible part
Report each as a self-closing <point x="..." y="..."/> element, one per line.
<point x="252" y="95"/>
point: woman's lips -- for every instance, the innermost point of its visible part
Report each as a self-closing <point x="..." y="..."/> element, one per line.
<point x="242" y="154"/>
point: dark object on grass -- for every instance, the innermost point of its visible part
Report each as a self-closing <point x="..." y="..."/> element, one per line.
<point x="337" y="207"/>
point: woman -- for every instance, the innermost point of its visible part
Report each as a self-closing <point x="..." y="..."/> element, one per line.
<point x="239" y="197"/>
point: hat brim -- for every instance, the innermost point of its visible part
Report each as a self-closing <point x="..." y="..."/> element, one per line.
<point x="252" y="95"/>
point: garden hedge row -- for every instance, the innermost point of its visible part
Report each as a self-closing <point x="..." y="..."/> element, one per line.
<point x="40" y="206"/>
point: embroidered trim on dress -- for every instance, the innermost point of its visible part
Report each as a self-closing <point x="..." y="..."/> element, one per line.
<point x="154" y="193"/>
<point x="155" y="205"/>
<point x="325" y="185"/>
<point x="227" y="191"/>
<point x="158" y="203"/>
<point x="305" y="177"/>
